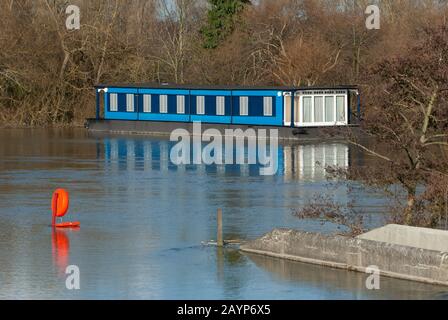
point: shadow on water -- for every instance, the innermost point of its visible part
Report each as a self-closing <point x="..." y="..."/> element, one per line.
<point x="331" y="279"/>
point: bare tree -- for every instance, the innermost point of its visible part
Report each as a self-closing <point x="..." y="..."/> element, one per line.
<point x="407" y="115"/>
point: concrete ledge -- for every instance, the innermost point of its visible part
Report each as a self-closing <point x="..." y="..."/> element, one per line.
<point x="431" y="239"/>
<point x="397" y="261"/>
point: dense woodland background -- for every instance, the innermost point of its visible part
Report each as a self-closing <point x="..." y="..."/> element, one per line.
<point x="47" y="72"/>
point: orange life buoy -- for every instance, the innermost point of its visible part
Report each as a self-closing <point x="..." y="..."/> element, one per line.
<point x="72" y="225"/>
<point x="59" y="208"/>
<point x="59" y="203"/>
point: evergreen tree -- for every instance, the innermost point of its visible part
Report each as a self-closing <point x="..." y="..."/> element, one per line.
<point x="221" y="20"/>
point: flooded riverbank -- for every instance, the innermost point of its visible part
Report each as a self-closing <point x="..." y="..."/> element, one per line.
<point x="143" y="220"/>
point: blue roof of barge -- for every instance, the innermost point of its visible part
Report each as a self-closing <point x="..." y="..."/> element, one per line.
<point x="219" y="87"/>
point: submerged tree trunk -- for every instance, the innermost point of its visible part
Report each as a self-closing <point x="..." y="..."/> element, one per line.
<point x="410" y="209"/>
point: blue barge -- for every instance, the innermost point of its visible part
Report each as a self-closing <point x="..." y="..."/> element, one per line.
<point x="161" y="108"/>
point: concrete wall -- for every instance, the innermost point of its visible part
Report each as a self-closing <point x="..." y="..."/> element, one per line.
<point x="424" y="238"/>
<point x="354" y="254"/>
<point x="352" y="285"/>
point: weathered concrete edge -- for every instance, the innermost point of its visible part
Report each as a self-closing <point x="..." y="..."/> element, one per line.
<point x="296" y="258"/>
<point x="247" y="247"/>
<point x="342" y="266"/>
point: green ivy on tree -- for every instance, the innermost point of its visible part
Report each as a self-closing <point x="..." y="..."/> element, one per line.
<point x="221" y="20"/>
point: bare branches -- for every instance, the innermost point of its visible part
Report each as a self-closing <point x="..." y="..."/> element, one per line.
<point x="106" y="42"/>
<point x="370" y="151"/>
<point x="324" y="209"/>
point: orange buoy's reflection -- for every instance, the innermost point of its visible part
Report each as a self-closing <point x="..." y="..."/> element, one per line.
<point x="60" y="249"/>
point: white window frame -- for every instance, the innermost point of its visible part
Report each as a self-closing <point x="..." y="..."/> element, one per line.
<point x="322" y="115"/>
<point x="220" y="105"/>
<point x="130" y="102"/>
<point x="345" y="107"/>
<point x="287" y="114"/>
<point x="244" y="106"/>
<point x="180" y="103"/>
<point x="200" y="105"/>
<point x="163" y="103"/>
<point x="147" y="103"/>
<point x="324" y="94"/>
<point x="302" y="109"/>
<point x="113" y="103"/>
<point x="268" y="106"/>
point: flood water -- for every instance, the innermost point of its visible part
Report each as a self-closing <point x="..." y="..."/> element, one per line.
<point x="143" y="221"/>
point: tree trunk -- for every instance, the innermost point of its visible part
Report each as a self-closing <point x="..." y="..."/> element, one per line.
<point x="410" y="209"/>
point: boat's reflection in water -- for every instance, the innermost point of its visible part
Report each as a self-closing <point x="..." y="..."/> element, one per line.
<point x="307" y="162"/>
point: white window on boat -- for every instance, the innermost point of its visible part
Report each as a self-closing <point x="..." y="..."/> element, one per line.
<point x="267" y="106"/>
<point x="147" y="103"/>
<point x="181" y="104"/>
<point x="329" y="109"/>
<point x="323" y="107"/>
<point x="220" y="106"/>
<point x="318" y="109"/>
<point x="244" y="106"/>
<point x="307" y="109"/>
<point x="113" y="102"/>
<point x="163" y="103"/>
<point x="340" y="108"/>
<point x="129" y="103"/>
<point x="200" y="105"/>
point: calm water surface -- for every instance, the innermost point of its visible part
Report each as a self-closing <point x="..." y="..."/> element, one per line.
<point x="143" y="221"/>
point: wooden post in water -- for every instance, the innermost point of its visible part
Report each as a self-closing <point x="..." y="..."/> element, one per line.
<point x="220" y="241"/>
